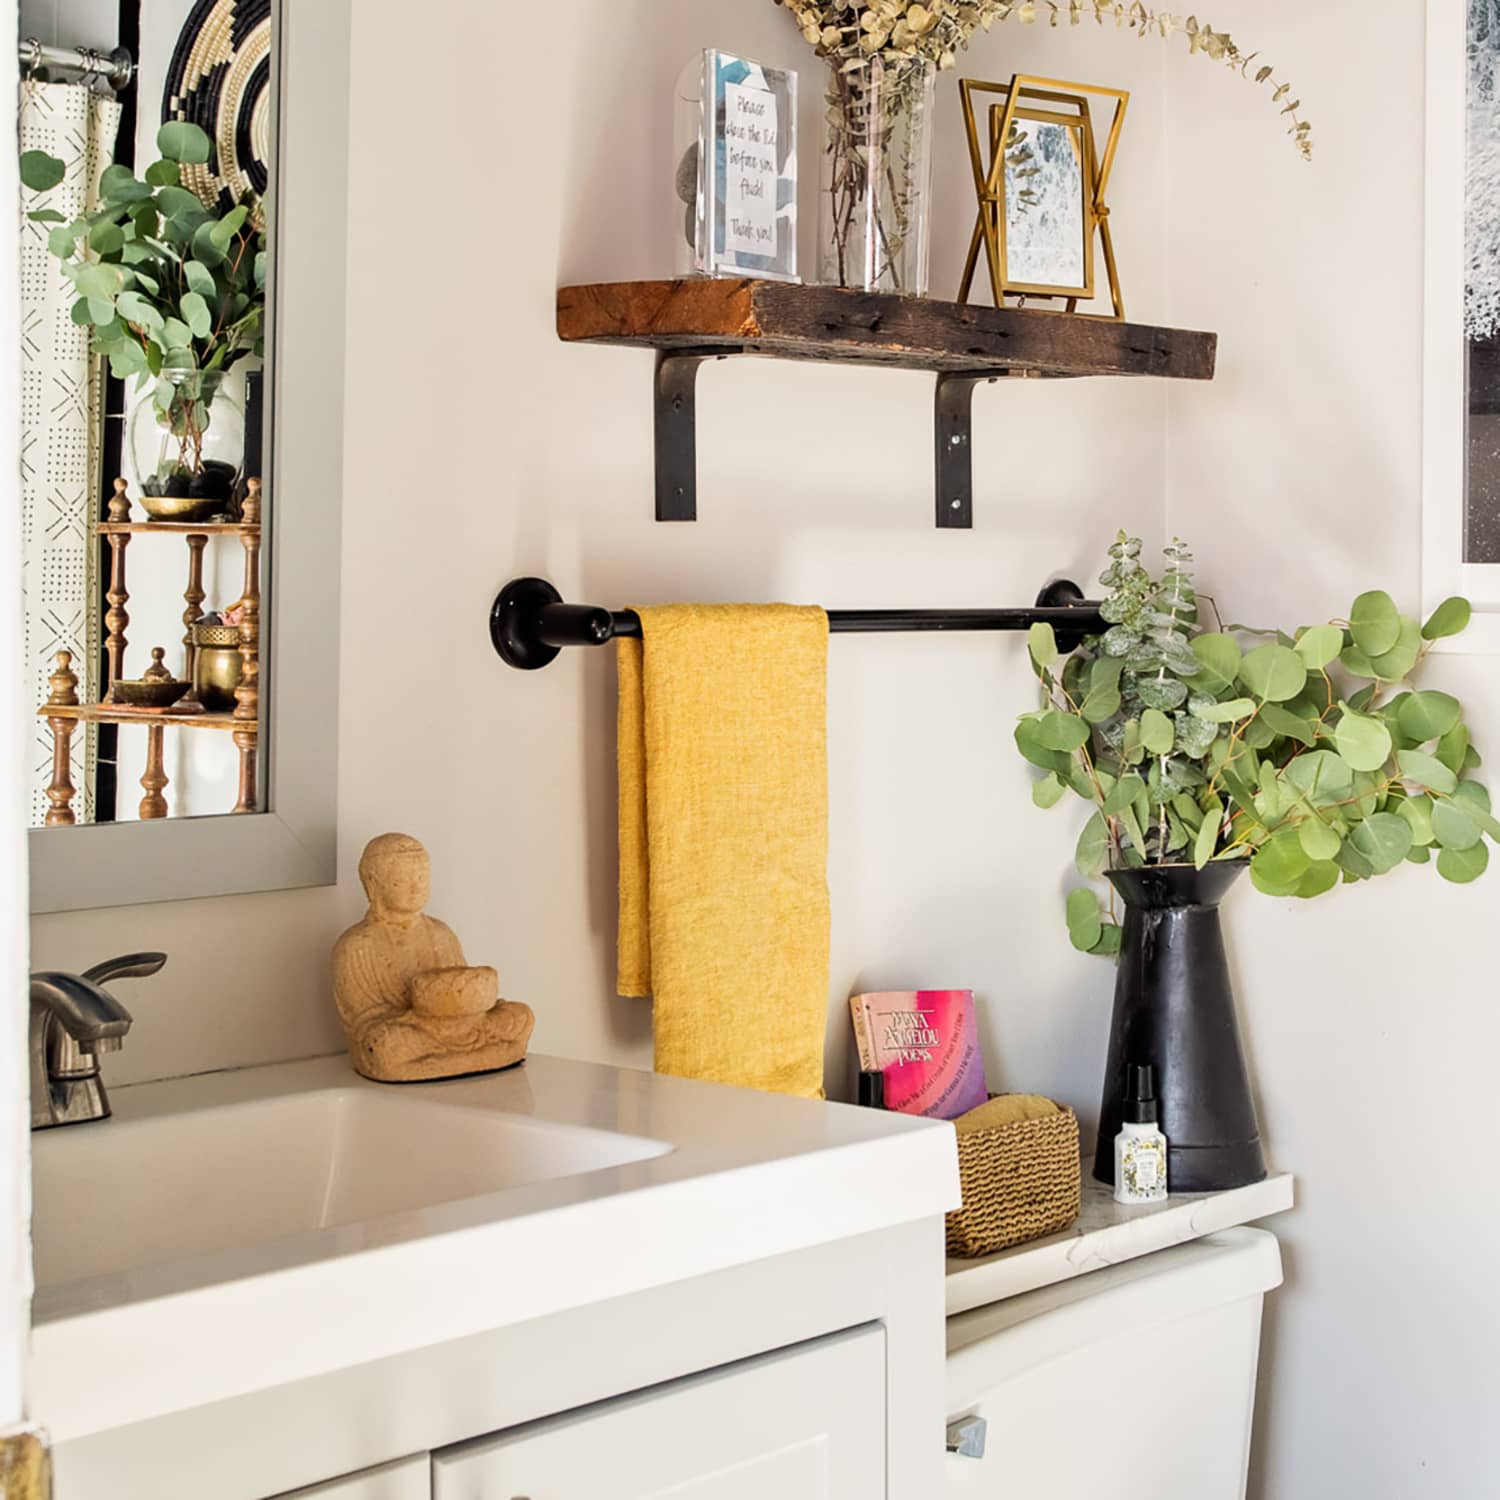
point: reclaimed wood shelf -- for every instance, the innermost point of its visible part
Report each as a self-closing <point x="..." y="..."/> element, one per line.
<point x="688" y="321"/>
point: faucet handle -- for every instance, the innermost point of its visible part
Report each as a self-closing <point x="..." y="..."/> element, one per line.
<point x="127" y="966"/>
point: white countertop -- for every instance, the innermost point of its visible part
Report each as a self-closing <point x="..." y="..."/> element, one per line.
<point x="735" y="1176"/>
<point x="1107" y="1233"/>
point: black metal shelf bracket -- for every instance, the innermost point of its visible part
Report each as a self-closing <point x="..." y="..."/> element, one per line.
<point x="676" y="434"/>
<point x="953" y="448"/>
<point x="530" y="624"/>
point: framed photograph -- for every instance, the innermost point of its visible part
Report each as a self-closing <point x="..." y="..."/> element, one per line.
<point x="1041" y="190"/>
<point x="1461" y="387"/>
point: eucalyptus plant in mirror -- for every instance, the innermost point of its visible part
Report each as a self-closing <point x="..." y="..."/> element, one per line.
<point x="173" y="290"/>
<point x="1309" y="758"/>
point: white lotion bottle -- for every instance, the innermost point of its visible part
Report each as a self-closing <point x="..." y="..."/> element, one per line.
<point x="1140" y="1147"/>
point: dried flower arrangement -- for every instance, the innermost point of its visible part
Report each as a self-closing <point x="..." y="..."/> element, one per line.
<point x="849" y="31"/>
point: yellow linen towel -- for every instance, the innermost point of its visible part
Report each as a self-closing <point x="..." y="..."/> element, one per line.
<point x="723" y="762"/>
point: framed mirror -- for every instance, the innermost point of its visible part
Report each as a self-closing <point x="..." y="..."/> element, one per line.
<point x="182" y="285"/>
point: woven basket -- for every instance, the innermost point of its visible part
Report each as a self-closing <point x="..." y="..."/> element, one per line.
<point x="1019" y="1181"/>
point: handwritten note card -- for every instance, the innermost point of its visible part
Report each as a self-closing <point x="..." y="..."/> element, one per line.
<point x="747" y="187"/>
<point x="750" y="137"/>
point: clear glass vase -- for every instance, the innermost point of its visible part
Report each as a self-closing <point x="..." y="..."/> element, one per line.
<point x="877" y="175"/>
<point x="187" y="437"/>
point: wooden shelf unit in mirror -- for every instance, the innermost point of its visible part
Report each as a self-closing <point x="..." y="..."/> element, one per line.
<point x="64" y="712"/>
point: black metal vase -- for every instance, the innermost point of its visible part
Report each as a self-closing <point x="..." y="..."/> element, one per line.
<point x="1174" y="1009"/>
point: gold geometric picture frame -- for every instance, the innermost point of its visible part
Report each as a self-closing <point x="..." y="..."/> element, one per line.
<point x="1044" y="103"/>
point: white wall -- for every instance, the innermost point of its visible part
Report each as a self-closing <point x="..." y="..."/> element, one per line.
<point x="1369" y="1014"/>
<point x="480" y="448"/>
<point x="15" y="1126"/>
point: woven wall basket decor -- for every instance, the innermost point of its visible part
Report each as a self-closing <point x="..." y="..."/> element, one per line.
<point x="220" y="80"/>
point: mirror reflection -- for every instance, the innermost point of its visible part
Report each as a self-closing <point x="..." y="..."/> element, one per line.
<point x="146" y="190"/>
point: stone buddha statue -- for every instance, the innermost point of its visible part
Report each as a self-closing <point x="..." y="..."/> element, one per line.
<point x="411" y="1004"/>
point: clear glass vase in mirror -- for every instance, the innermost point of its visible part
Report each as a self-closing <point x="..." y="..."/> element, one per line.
<point x="177" y="300"/>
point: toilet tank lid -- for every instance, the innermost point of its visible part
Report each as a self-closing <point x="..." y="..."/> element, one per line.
<point x="993" y="1344"/>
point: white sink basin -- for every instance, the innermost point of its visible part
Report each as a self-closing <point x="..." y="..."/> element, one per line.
<point x="122" y="1194"/>
<point x="234" y="1232"/>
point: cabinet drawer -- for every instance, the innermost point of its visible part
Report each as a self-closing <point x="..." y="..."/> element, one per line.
<point x="410" y="1479"/>
<point x="807" y="1423"/>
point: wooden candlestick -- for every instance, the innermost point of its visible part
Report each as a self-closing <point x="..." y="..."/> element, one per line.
<point x="193" y="596"/>
<point x="116" y="617"/>
<point x="62" y="693"/>
<point x="154" y="778"/>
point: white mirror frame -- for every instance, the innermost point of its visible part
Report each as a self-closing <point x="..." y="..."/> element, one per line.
<point x="293" y="842"/>
<point x="1444" y="436"/>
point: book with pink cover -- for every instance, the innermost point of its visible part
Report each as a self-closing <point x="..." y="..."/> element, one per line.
<point x="926" y="1043"/>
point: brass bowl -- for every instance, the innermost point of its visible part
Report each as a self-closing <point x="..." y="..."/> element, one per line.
<point x="148" y="692"/>
<point x="182" y="507"/>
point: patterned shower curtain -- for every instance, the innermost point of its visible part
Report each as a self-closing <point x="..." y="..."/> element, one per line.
<point x="61" y="423"/>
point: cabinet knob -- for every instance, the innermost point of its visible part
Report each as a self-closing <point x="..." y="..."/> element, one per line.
<point x="966" y="1436"/>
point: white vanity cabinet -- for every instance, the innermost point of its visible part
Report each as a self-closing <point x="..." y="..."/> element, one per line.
<point x="804" y="1424"/>
<point x="411" y="1479"/>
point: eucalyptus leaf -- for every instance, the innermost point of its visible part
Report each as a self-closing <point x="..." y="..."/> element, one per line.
<point x="1163" y="693"/>
<point x="1111" y="938"/>
<point x="106" y="239"/>
<point x="100" y="279"/>
<point x="182" y="141"/>
<point x="1085" y="926"/>
<point x="1319" y="645"/>
<point x="1219" y="658"/>
<point x="1055" y="730"/>
<point x="1418" y="814"/>
<point x="1428" y="716"/>
<point x="1463" y="865"/>
<point x="163" y="174"/>
<point x="1321" y="776"/>
<point x="1099" y="706"/>
<point x="1427" y="771"/>
<point x="1207" y="840"/>
<point x="41" y="172"/>
<point x="1453" y="827"/>
<point x="1451" y="617"/>
<point x="1157" y="734"/>
<point x="1289" y="725"/>
<point x="1122" y="795"/>
<point x="134" y="308"/>
<point x="201" y="280"/>
<point x="1049" y="791"/>
<point x="1453" y="749"/>
<point x="1092" y="853"/>
<point x="1396" y="663"/>
<point x="1273" y="673"/>
<point x="1375" y="623"/>
<point x="1226" y="713"/>
<point x="1318" y="840"/>
<point x="1364" y="743"/>
<point x="1029" y="743"/>
<point x="196" y="315"/>
<point x="1321" y="877"/>
<point x="1383" y="840"/>
<point x="1279" y="864"/>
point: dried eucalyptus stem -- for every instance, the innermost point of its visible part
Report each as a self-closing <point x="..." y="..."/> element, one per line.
<point x="847" y="30"/>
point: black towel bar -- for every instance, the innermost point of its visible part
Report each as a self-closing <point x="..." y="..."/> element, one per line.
<point x="530" y="623"/>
